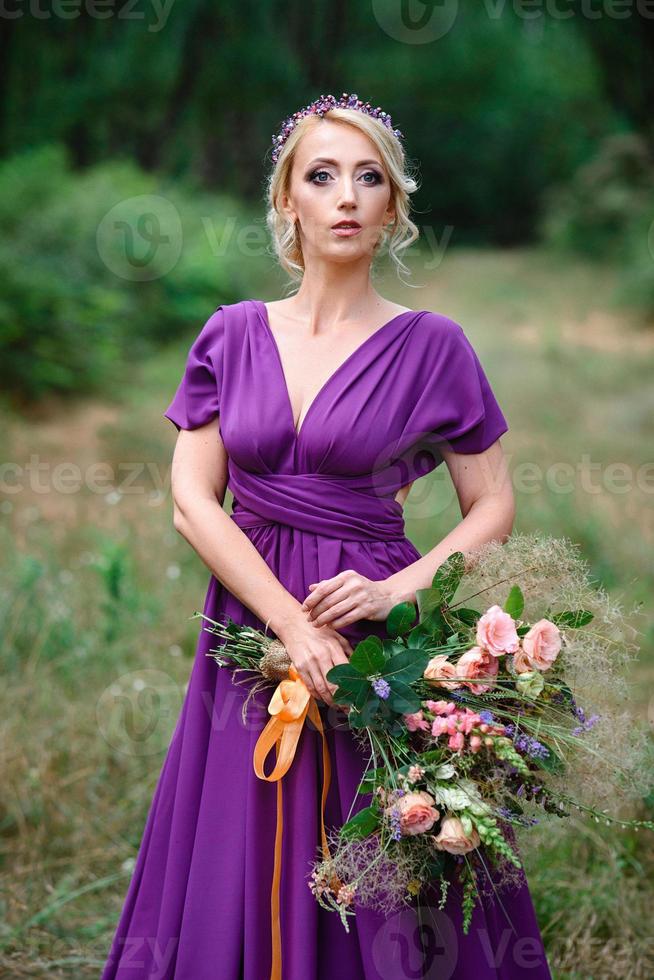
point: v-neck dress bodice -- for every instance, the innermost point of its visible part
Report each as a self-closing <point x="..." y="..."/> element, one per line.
<point x="313" y="503"/>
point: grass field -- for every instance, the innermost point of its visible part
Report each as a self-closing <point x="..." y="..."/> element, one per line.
<point x="97" y="586"/>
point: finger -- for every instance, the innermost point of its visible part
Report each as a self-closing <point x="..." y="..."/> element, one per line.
<point x="338" y="595"/>
<point x="323" y="588"/>
<point x="319" y="684"/>
<point x="339" y="609"/>
<point x="345" y="644"/>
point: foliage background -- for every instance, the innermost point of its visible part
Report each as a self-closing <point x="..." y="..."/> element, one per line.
<point x="532" y="129"/>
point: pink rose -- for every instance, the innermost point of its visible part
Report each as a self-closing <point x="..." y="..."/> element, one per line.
<point x="417" y="813"/>
<point x="496" y="632"/>
<point x="474" y="663"/>
<point x="452" y="837"/>
<point x="438" y="668"/>
<point x="521" y="662"/>
<point x="542" y="644"/>
<point x="416" y="722"/>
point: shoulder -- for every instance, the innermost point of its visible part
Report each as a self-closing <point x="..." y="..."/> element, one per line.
<point x="443" y="338"/>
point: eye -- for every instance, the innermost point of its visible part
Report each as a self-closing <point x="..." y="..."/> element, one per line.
<point x="317" y="173"/>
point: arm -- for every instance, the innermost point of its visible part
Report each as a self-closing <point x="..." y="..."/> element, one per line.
<point x="483" y="488"/>
<point x="198" y="482"/>
<point x="487" y="504"/>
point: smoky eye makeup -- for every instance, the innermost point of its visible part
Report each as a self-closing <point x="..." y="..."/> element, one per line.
<point x="320" y="170"/>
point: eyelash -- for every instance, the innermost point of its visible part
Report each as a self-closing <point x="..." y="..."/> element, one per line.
<point x="377" y="180"/>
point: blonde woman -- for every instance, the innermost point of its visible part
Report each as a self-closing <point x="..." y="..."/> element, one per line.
<point x="319" y="411"/>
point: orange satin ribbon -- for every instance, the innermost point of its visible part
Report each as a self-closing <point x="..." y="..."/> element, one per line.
<point x="289" y="706"/>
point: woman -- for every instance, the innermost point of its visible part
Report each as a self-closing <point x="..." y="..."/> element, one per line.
<point x="320" y="411"/>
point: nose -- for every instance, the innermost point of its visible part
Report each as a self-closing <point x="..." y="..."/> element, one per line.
<point x="346" y="192"/>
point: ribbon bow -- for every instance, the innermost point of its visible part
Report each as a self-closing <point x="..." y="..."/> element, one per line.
<point x="289" y="706"/>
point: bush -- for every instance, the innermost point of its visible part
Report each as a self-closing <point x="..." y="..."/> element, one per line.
<point x="606" y="211"/>
<point x="100" y="266"/>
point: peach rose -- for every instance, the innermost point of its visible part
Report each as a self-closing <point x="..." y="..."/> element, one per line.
<point x="438" y="668"/>
<point x="542" y="644"/>
<point x="496" y="632"/>
<point x="477" y="662"/>
<point x="417" y="812"/>
<point x="452" y="837"/>
<point x="521" y="662"/>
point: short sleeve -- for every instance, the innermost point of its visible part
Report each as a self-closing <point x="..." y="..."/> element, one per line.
<point x="197" y="399"/>
<point x="467" y="415"/>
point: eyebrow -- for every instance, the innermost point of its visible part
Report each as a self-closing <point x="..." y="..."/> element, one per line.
<point x="360" y="163"/>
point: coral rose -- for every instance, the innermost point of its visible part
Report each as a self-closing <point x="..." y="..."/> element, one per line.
<point x="417" y="812"/>
<point x="521" y="662"/>
<point x="496" y="632"/>
<point x="477" y="662"/>
<point x="439" y="668"/>
<point x="542" y="644"/>
<point x="452" y="837"/>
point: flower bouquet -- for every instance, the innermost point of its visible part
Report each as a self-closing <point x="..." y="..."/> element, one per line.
<point x="472" y="722"/>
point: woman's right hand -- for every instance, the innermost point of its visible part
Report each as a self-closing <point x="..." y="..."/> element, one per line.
<point x="314" y="651"/>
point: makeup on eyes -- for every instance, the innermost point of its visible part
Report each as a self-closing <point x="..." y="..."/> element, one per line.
<point x="314" y="173"/>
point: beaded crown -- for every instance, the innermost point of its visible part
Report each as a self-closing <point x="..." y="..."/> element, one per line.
<point x="322" y="105"/>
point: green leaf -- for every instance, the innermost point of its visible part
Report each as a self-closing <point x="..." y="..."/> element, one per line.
<point x="419" y="638"/>
<point x="403" y="699"/>
<point x="406" y="666"/>
<point x="427" y="600"/>
<point x="515" y="602"/>
<point x="362" y="824"/>
<point x="436" y="866"/>
<point x="449" y="574"/>
<point x="574" y="619"/>
<point x="401" y="618"/>
<point x="551" y="762"/>
<point x="365" y="717"/>
<point x="368" y="656"/>
<point x="468" y="616"/>
<point x="341" y="673"/>
<point x="436" y="624"/>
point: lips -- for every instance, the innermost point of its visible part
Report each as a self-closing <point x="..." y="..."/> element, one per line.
<point x="347" y="224"/>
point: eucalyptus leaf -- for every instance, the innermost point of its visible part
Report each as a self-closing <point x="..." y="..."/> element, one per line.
<point x="515" y="602"/>
<point x="368" y="657"/>
<point x="401" y="618"/>
<point x="449" y="574"/>
<point x="574" y="619"/>
<point x="362" y="824"/>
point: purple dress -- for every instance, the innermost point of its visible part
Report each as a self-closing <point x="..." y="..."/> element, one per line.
<point x="313" y="503"/>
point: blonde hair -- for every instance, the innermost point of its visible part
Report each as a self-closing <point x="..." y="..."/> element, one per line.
<point x="397" y="236"/>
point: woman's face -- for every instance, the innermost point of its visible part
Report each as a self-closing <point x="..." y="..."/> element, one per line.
<point x="338" y="176"/>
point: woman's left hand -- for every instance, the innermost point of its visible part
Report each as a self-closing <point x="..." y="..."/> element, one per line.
<point x="346" y="598"/>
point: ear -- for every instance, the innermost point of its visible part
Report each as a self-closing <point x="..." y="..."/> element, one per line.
<point x="389" y="216"/>
<point x="288" y="208"/>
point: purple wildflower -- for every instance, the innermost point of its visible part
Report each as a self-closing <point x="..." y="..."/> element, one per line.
<point x="586" y="726"/>
<point x="396" y="829"/>
<point x="530" y="746"/>
<point x="486" y="716"/>
<point x="381" y="687"/>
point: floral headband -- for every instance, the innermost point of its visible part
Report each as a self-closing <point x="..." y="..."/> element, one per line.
<point x="322" y="105"/>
